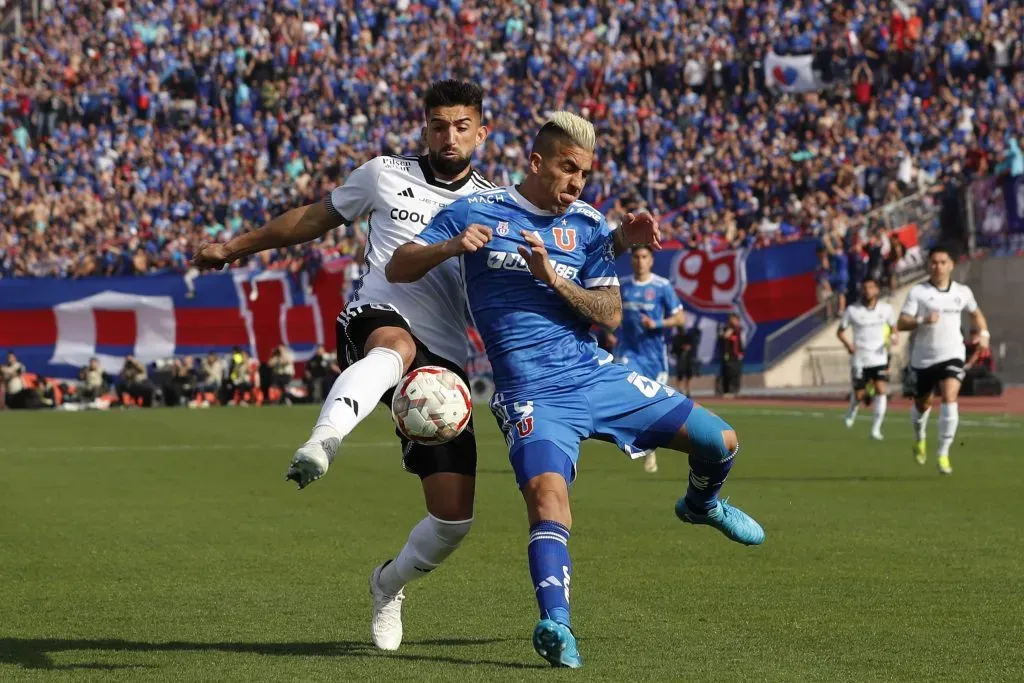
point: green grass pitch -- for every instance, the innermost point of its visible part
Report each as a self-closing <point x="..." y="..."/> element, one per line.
<point x="165" y="545"/>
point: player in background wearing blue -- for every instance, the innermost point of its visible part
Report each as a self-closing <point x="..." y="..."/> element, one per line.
<point x="649" y="308"/>
<point x="539" y="269"/>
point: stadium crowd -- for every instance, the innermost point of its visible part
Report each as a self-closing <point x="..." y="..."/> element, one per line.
<point x="131" y="131"/>
<point x="235" y="379"/>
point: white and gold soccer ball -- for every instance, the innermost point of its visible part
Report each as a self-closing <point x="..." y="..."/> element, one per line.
<point x="431" y="405"/>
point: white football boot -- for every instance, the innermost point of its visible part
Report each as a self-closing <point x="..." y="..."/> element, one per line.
<point x="312" y="459"/>
<point x="386" y="623"/>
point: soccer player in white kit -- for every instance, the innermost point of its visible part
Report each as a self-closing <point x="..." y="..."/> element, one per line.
<point x="937" y="356"/>
<point x="873" y="323"/>
<point x="387" y="330"/>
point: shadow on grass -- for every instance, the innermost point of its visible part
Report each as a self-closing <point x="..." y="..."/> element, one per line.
<point x="824" y="478"/>
<point x="34" y="653"/>
<point x="836" y="477"/>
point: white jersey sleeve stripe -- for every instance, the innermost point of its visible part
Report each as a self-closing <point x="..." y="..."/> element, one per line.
<point x="601" y="282"/>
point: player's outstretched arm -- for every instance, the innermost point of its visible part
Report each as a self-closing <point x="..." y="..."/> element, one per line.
<point x="412" y="261"/>
<point x="302" y="224"/>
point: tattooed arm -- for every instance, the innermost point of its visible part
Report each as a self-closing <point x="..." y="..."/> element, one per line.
<point x="601" y="305"/>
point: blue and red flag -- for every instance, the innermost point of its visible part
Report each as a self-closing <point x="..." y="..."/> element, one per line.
<point x="767" y="288"/>
<point x="56" y="326"/>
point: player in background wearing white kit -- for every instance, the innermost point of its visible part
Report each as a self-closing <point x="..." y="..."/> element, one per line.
<point x="387" y="329"/>
<point x="873" y="324"/>
<point x="937" y="356"/>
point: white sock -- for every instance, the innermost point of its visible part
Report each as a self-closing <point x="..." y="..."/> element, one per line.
<point x="919" y="421"/>
<point x="356" y="392"/>
<point x="949" y="420"/>
<point x="854" y="406"/>
<point x="878" y="410"/>
<point x="430" y="543"/>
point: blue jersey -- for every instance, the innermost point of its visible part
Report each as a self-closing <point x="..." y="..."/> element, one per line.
<point x="639" y="346"/>
<point x="533" y="337"/>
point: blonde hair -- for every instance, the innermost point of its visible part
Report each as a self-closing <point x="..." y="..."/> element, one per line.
<point x="572" y="127"/>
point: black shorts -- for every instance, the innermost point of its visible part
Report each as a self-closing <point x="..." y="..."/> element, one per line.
<point x="876" y="373"/>
<point x="687" y="366"/>
<point x="354" y="327"/>
<point x="926" y="380"/>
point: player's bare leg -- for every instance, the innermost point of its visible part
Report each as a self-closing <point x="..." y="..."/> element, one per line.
<point x="919" y="412"/>
<point x="387" y="355"/>
<point x="949" y="420"/>
<point x="878" y="408"/>
<point x="449" y="499"/>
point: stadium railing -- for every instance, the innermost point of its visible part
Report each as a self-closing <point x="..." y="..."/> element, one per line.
<point x="793" y="334"/>
<point x="920" y="210"/>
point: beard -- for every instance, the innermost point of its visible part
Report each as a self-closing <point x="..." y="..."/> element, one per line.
<point x="448" y="166"/>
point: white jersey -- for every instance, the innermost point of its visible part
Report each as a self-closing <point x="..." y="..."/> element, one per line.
<point x="399" y="195"/>
<point x="941" y="341"/>
<point x="872" y="328"/>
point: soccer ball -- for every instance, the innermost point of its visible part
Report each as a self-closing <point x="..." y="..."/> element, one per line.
<point x="431" y="405"/>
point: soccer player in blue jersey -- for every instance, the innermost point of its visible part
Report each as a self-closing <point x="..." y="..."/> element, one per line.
<point x="649" y="308"/>
<point x="538" y="266"/>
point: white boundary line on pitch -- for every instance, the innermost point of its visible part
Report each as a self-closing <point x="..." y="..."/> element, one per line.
<point x="818" y="415"/>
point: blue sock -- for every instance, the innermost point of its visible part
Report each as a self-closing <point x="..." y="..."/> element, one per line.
<point x="550" y="569"/>
<point x="706" y="481"/>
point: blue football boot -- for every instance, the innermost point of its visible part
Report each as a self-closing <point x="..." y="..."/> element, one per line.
<point x="731" y="521"/>
<point x="556" y="643"/>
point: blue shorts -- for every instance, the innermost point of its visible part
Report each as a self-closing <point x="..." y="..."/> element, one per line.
<point x="609" y="402"/>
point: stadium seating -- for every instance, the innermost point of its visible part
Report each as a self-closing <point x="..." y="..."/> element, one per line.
<point x="174" y="122"/>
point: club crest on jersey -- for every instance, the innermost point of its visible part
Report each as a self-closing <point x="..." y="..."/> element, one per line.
<point x="565" y="238"/>
<point x="649" y="294"/>
<point x="502" y="228"/>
